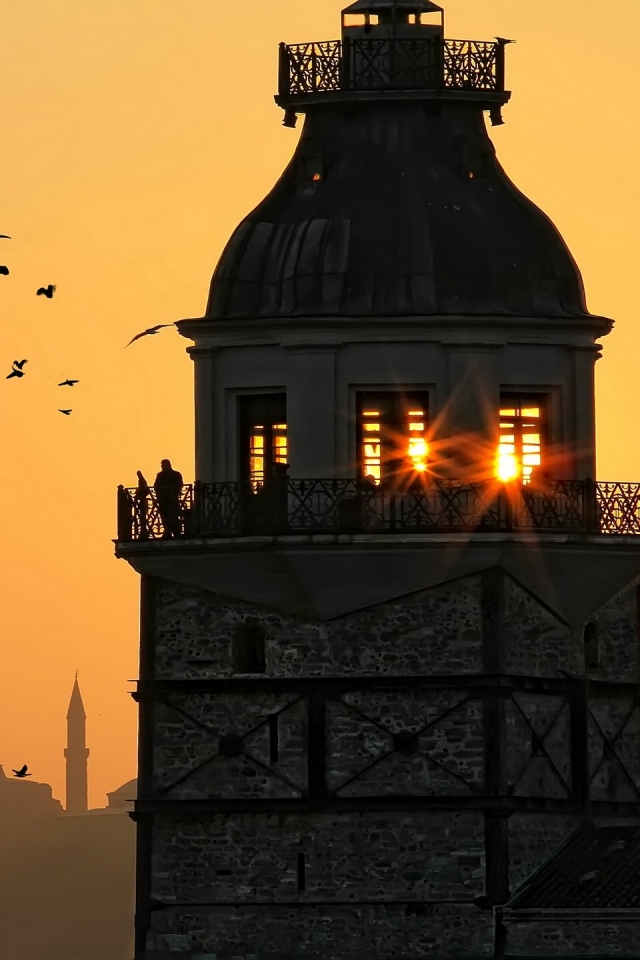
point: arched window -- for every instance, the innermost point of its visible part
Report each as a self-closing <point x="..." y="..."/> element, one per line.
<point x="248" y="652"/>
<point x="591" y="647"/>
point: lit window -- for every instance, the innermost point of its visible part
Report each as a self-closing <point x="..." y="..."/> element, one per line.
<point x="262" y="454"/>
<point x="256" y="456"/>
<point x="393" y="436"/>
<point x="371" y="445"/>
<point x="520" y="446"/>
<point x="279" y="431"/>
<point x="263" y="438"/>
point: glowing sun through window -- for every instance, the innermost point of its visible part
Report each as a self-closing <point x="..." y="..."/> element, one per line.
<point x="393" y="436"/>
<point x="418" y="447"/>
<point x="520" y="446"/>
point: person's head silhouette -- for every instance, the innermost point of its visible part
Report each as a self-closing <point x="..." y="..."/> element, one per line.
<point x="165" y="464"/>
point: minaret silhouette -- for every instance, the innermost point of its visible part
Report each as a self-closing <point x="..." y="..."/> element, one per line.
<point x="76" y="753"/>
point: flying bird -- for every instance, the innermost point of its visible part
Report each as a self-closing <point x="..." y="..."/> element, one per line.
<point x="4" y="271"/>
<point x="17" y="369"/>
<point x="149" y="332"/>
<point x="22" y="772"/>
<point x="46" y="291"/>
<point x="66" y="412"/>
<point x="68" y="383"/>
<point x="3" y="236"/>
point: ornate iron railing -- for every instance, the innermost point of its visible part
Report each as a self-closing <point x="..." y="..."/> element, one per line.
<point x="349" y="507"/>
<point x="421" y="64"/>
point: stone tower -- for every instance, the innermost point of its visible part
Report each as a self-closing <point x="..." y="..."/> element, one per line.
<point x="389" y="645"/>
<point x="76" y="754"/>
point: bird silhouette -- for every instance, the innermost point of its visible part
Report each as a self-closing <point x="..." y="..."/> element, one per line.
<point x="46" y="291"/>
<point x="3" y="236"/>
<point x="149" y="332"/>
<point x="4" y="271"/>
<point x="66" y="412"/>
<point x="17" y="369"/>
<point x="68" y="383"/>
<point x="21" y="773"/>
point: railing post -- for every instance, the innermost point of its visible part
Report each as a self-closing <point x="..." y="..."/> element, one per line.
<point x="590" y="505"/>
<point x="197" y="513"/>
<point x="508" y="506"/>
<point x="345" y="64"/>
<point x="500" y="66"/>
<point x="283" y="71"/>
<point x="438" y="65"/>
<point x="125" y="517"/>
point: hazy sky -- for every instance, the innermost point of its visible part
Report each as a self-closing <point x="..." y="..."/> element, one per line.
<point x="135" y="135"/>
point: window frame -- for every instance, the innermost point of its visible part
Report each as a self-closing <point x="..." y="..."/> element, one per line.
<point x="510" y="397"/>
<point x="274" y="412"/>
<point x="394" y="419"/>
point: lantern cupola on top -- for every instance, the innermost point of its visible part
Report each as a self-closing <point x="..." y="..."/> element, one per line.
<point x="395" y="224"/>
<point x="384" y="19"/>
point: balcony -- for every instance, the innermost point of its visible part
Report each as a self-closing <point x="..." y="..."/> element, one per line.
<point x="286" y="507"/>
<point x="310" y="70"/>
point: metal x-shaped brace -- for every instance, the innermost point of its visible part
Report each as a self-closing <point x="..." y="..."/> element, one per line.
<point x="539" y="740"/>
<point x="383" y="756"/>
<point x="214" y="733"/>
<point x="610" y="744"/>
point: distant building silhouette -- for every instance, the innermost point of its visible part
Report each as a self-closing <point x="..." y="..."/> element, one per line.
<point x="121" y="800"/>
<point x="76" y="754"/>
<point x="26" y="801"/>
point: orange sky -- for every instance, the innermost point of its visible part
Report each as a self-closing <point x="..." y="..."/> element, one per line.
<point x="135" y="135"/>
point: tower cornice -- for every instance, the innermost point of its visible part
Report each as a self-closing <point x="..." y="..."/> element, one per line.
<point x="332" y="331"/>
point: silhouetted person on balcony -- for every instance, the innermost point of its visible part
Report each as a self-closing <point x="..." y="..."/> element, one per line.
<point x="143" y="489"/>
<point x="168" y="489"/>
<point x="140" y="506"/>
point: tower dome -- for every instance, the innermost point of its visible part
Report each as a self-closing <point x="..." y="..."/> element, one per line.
<point x="394" y="203"/>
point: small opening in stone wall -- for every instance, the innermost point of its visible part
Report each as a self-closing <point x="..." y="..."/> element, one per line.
<point x="249" y="652"/>
<point x="591" y="647"/>
<point x="273" y="738"/>
<point x="302" y="879"/>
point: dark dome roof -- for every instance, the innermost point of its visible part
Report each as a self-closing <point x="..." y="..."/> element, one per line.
<point x="388" y="210"/>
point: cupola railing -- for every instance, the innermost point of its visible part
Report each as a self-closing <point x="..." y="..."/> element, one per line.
<point x="285" y="506"/>
<point x="333" y="66"/>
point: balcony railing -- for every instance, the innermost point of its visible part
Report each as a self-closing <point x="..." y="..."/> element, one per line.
<point x="308" y="69"/>
<point x="202" y="510"/>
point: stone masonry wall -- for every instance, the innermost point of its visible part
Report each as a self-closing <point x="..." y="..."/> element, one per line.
<point x="533" y="838"/>
<point x="416" y="873"/>
<point x="538" y="643"/>
<point x="618" y="634"/>
<point x="336" y="932"/>
<point x="572" y="938"/>
<point x="434" y="631"/>
<point x="373" y="880"/>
